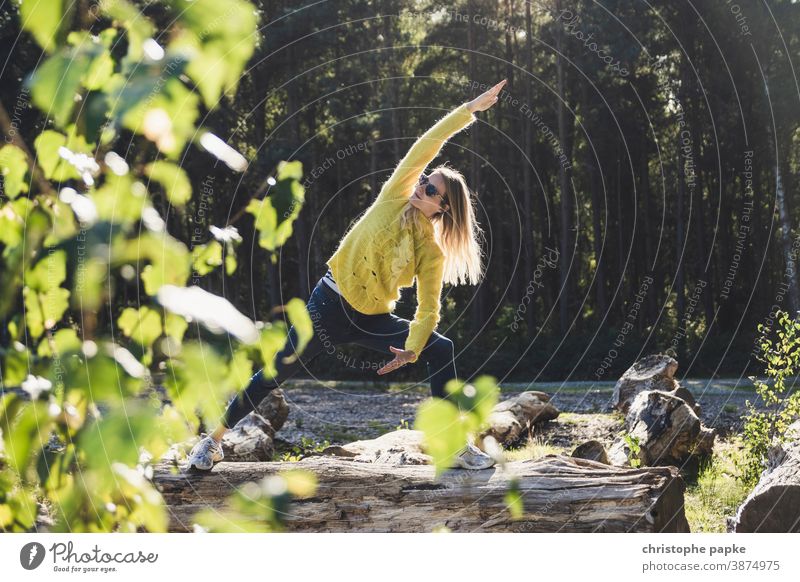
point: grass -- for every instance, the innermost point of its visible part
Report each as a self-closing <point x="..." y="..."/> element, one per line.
<point x="717" y="493"/>
<point x="535" y="448"/>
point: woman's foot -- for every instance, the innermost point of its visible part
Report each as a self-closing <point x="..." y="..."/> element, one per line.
<point x="471" y="457"/>
<point x="205" y="454"/>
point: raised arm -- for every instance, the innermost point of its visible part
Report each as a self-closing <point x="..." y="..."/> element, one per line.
<point x="427" y="147"/>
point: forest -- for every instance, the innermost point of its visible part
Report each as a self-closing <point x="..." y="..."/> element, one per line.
<point x="636" y="183"/>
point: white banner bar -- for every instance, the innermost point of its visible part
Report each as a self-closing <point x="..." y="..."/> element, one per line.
<point x="398" y="557"/>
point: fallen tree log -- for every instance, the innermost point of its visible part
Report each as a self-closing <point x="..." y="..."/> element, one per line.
<point x="511" y="420"/>
<point x="559" y="493"/>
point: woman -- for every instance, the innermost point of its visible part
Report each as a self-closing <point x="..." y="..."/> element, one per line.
<point x="419" y="226"/>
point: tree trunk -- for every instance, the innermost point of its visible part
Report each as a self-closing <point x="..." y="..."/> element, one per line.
<point x="790" y="274"/>
<point x="480" y="293"/>
<point x="527" y="174"/>
<point x="679" y="253"/>
<point x="559" y="493"/>
<point x="566" y="198"/>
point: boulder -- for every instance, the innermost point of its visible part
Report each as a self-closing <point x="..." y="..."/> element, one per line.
<point x="667" y="429"/>
<point x="592" y="450"/>
<point x="774" y="504"/>
<point x="249" y="440"/>
<point x="653" y="372"/>
<point x="512" y="419"/>
<point x="274" y="408"/>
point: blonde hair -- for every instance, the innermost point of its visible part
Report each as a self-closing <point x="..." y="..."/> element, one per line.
<point x="457" y="230"/>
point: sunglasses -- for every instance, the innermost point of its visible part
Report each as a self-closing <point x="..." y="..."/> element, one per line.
<point x="430" y="189"/>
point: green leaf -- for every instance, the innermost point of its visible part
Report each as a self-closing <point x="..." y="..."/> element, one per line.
<point x="13" y="167"/>
<point x="99" y="72"/>
<point x="275" y="214"/>
<point x="230" y="261"/>
<point x="301" y="321"/>
<point x="168" y="258"/>
<point x="12" y="222"/>
<point x="44" y="310"/>
<point x="142" y="325"/>
<point x="54" y="166"/>
<point x="49" y="272"/>
<point x="65" y="225"/>
<point x="206" y="257"/>
<point x="273" y="339"/>
<point x="120" y="200"/>
<point x="166" y="117"/>
<point x="139" y="28"/>
<point x="288" y="193"/>
<point x="220" y="37"/>
<point x="478" y="397"/>
<point x="118" y="435"/>
<point x="173" y="180"/>
<point x="24" y="434"/>
<point x="201" y="380"/>
<point x="513" y="500"/>
<point x="99" y="379"/>
<point x="445" y="430"/>
<point x="16" y="365"/>
<point x="175" y="326"/>
<point x="66" y="341"/>
<point x="47" y="20"/>
<point x="55" y="84"/>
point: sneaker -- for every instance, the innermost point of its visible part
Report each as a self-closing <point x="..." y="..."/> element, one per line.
<point x="471" y="457"/>
<point x="205" y="454"/>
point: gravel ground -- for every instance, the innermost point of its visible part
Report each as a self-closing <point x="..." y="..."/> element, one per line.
<point x="342" y="412"/>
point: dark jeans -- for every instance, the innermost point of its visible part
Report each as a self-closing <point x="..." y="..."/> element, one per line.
<point x="335" y="323"/>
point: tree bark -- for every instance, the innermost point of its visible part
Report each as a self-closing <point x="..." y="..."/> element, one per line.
<point x="566" y="195"/>
<point x="559" y="493"/>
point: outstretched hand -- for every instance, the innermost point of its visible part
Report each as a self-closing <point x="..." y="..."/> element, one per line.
<point x="484" y="101"/>
<point x="401" y="358"/>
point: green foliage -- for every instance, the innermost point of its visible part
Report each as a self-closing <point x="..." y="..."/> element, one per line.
<point x="173" y="180"/>
<point x="259" y="507"/>
<point x="765" y="428"/>
<point x="46" y="20"/>
<point x="307" y="446"/>
<point x="275" y="214"/>
<point x="447" y="423"/>
<point x="13" y="167"/>
<point x="513" y="499"/>
<point x="634" y="448"/>
<point x="718" y="491"/>
<point x="82" y="440"/>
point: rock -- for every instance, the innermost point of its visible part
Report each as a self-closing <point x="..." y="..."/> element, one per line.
<point x="399" y="447"/>
<point x="592" y="450"/>
<point x="653" y="372"/>
<point x="688" y="397"/>
<point x="667" y="429"/>
<point x="274" y="408"/>
<point x="249" y="440"/>
<point x="619" y="454"/>
<point x="774" y="504"/>
<point x="511" y="419"/>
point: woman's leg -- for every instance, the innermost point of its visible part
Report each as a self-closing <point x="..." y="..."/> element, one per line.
<point x="330" y="328"/>
<point x="378" y="332"/>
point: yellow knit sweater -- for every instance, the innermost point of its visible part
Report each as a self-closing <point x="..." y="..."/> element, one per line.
<point x="377" y="257"/>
